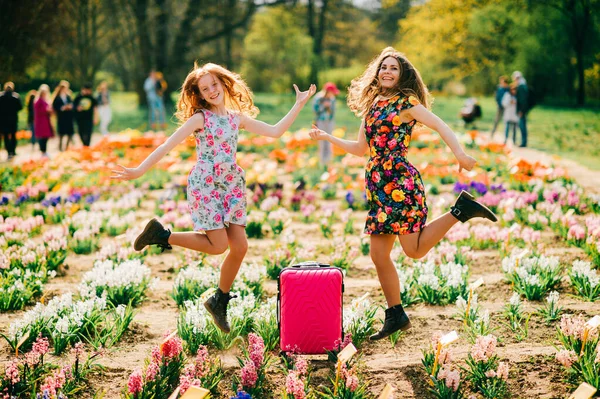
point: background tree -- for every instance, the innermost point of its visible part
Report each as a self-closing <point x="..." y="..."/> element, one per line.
<point x="277" y="52"/>
<point x="29" y="30"/>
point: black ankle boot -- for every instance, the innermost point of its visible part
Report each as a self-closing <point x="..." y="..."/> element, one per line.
<point x="395" y="319"/>
<point x="467" y="208"/>
<point x="217" y="307"/>
<point x="153" y="234"/>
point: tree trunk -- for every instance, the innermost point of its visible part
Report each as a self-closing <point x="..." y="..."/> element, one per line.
<point x="228" y="17"/>
<point x="317" y="33"/>
<point x="145" y="47"/>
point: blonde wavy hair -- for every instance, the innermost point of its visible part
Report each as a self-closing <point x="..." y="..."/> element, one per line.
<point x="56" y="93"/>
<point x="238" y="95"/>
<point x="364" y="90"/>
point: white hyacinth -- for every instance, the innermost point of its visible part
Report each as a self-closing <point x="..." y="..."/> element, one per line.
<point x="266" y="312"/>
<point x="552" y="298"/>
<point x="196" y="316"/>
<point x="583" y="269"/>
<point x="515" y="299"/>
<point x="108" y="274"/>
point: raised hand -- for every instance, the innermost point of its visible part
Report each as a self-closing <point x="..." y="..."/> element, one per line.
<point x="303" y="96"/>
<point x="317" y="134"/>
<point x="124" y="173"/>
<point x="466" y="162"/>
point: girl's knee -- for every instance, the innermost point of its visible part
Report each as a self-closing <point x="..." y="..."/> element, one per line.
<point x="378" y="257"/>
<point x="239" y="248"/>
<point x="219" y="247"/>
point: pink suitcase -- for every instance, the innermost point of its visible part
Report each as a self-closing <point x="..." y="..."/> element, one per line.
<point x="309" y="308"/>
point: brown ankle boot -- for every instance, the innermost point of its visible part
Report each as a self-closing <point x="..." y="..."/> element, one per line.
<point x="467" y="208"/>
<point x="217" y="307"/>
<point x="395" y="319"/>
<point x="153" y="234"/>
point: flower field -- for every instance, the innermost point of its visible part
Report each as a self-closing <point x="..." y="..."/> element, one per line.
<point x="85" y="316"/>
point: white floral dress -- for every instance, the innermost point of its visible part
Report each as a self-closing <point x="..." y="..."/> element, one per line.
<point x="216" y="189"/>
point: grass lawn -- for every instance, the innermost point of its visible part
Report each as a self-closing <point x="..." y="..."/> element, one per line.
<point x="569" y="132"/>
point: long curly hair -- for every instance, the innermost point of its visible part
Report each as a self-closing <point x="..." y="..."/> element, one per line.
<point x="364" y="90"/>
<point x="238" y="96"/>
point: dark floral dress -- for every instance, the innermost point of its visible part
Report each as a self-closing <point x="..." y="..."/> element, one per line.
<point x="395" y="191"/>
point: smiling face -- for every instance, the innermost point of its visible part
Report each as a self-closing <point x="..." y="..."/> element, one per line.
<point x="211" y="89"/>
<point x="389" y="73"/>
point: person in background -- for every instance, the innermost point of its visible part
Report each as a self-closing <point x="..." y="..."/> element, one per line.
<point x="161" y="87"/>
<point x="324" y="107"/>
<point x="85" y="113"/>
<point x="470" y="112"/>
<point x="10" y="105"/>
<point x="522" y="104"/>
<point x="42" y="109"/>
<point x="511" y="119"/>
<point x="29" y="100"/>
<point x="62" y="103"/>
<point x="104" y="111"/>
<point x="500" y="91"/>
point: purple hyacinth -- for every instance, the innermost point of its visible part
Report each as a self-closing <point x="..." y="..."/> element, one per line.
<point x="480" y="188"/>
<point x="458" y="187"/>
<point x="242" y="395"/>
<point x="350" y="198"/>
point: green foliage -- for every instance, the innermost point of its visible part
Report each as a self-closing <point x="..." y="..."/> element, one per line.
<point x="277" y="52"/>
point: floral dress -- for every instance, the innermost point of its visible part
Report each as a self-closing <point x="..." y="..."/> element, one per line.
<point x="216" y="189"/>
<point x="394" y="189"/>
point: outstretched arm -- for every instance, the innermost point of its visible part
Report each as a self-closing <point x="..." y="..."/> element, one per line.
<point x="432" y="121"/>
<point x="264" y="129"/>
<point x="358" y="147"/>
<point x="190" y="126"/>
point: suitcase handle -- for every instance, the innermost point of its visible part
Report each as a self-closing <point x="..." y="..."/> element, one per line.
<point x="311" y="263"/>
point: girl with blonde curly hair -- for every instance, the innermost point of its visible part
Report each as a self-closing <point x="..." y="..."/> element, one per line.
<point x="214" y="104"/>
<point x="391" y="99"/>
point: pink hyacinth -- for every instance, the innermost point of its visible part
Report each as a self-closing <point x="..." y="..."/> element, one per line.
<point x="490" y="374"/>
<point x="53" y="383"/>
<point x="502" y="371"/>
<point x="155" y="355"/>
<point x="597" y="360"/>
<point x="294" y="385"/>
<point x="77" y="350"/>
<point x="566" y="358"/>
<point x="352" y="383"/>
<point x="187" y="379"/>
<point x="256" y="347"/>
<point x="32" y="358"/>
<point x="201" y="366"/>
<point x="572" y="326"/>
<point x="41" y="346"/>
<point x="249" y="375"/>
<point x="172" y="347"/>
<point x="453" y="380"/>
<point x="152" y="371"/>
<point x="135" y="383"/>
<point x="484" y="348"/>
<point x="301" y="366"/>
<point x="12" y="372"/>
<point x="576" y="232"/>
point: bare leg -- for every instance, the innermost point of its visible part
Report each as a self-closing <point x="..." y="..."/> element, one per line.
<point x="381" y="247"/>
<point x="417" y="245"/>
<point x="214" y="242"/>
<point x="238" y="246"/>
